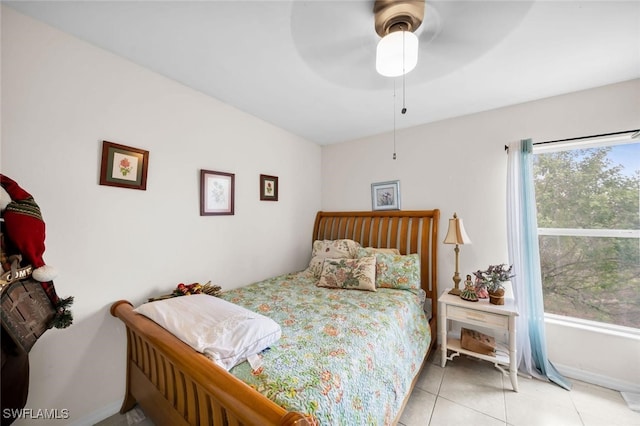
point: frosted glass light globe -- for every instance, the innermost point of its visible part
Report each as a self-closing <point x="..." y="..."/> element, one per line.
<point x="392" y="58"/>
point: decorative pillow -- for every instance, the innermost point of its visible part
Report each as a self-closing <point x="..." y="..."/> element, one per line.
<point x="331" y="249"/>
<point x="348" y="274"/>
<point x="371" y="251"/>
<point x="398" y="271"/>
<point x="224" y="332"/>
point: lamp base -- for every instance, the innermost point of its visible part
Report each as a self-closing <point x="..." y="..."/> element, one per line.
<point x="456" y="279"/>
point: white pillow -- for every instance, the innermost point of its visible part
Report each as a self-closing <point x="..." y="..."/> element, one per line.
<point x="224" y="332"/>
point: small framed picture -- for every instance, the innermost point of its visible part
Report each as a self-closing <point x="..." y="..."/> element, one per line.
<point x="216" y="193"/>
<point x="385" y="195"/>
<point x="268" y="188"/>
<point x="123" y="166"/>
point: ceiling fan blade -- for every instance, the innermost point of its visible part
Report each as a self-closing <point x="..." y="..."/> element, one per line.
<point x="466" y="30"/>
<point x="337" y="39"/>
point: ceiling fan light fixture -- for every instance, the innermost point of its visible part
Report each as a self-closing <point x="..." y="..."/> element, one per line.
<point x="397" y="53"/>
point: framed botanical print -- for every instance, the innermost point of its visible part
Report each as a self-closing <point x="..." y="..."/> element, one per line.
<point x="385" y="195"/>
<point x="123" y="166"/>
<point x="268" y="188"/>
<point x="216" y="193"/>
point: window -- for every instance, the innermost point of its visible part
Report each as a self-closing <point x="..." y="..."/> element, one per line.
<point x="588" y="202"/>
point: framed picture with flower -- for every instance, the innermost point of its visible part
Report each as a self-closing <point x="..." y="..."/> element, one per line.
<point x="385" y="195"/>
<point x="123" y="166"/>
<point x="268" y="188"/>
<point x="216" y="193"/>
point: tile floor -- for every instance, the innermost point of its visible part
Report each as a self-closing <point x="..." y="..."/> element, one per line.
<point x="474" y="393"/>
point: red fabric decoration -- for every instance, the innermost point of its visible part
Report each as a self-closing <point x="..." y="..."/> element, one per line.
<point x="24" y="229"/>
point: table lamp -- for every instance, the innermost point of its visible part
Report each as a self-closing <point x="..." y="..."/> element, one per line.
<point x="456" y="235"/>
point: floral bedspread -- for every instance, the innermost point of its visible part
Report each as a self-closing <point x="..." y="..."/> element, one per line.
<point x="346" y="357"/>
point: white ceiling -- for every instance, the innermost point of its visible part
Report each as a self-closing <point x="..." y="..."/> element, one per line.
<point x="309" y="66"/>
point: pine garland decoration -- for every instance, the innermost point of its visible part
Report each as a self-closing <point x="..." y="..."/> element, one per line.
<point x="63" y="317"/>
<point x="211" y="289"/>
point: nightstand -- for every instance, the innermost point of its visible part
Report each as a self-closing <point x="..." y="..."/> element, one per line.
<point x="482" y="314"/>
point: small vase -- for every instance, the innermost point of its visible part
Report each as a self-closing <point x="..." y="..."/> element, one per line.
<point x="496" y="297"/>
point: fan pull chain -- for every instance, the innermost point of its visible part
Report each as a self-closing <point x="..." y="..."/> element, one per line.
<point x="404" y="93"/>
<point x="404" y="109"/>
<point x="404" y="96"/>
<point x="394" y="119"/>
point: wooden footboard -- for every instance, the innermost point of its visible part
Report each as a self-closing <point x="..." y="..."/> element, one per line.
<point x="175" y="385"/>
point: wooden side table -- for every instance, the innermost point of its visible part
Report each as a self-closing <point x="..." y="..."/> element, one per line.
<point x="501" y="318"/>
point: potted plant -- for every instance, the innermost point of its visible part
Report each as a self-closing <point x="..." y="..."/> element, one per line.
<point x="492" y="280"/>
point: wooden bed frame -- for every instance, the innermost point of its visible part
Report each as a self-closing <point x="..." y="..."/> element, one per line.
<point x="175" y="385"/>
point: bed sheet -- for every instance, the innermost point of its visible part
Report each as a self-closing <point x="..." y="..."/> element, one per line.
<point x="346" y="357"/>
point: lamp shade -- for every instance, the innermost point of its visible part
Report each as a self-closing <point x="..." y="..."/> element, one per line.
<point x="456" y="233"/>
<point x="397" y="53"/>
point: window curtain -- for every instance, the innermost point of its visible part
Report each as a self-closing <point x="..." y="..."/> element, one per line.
<point x="522" y="234"/>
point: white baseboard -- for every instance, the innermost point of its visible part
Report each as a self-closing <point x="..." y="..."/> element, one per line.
<point x="98" y="415"/>
<point x="632" y="400"/>
<point x="597" y="379"/>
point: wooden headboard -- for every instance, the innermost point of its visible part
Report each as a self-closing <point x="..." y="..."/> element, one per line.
<point x="411" y="231"/>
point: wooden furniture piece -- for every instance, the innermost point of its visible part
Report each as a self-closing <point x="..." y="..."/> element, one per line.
<point x="500" y="318"/>
<point x="175" y="385"/>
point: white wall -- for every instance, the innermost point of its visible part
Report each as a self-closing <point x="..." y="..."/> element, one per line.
<point x="60" y="98"/>
<point x="459" y="165"/>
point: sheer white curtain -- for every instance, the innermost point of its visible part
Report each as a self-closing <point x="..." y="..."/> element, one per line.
<point x="522" y="233"/>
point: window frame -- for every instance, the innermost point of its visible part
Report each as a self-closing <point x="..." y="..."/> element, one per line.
<point x="616" y="139"/>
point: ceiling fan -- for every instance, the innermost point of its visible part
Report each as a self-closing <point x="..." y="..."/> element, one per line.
<point x="338" y="39"/>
